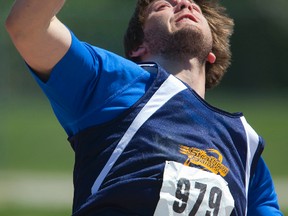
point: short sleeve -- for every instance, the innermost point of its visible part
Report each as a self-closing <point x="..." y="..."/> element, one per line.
<point x="90" y="86"/>
<point x="262" y="197"/>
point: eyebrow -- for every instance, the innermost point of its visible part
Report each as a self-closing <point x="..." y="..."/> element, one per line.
<point x="192" y="1"/>
<point x="188" y="0"/>
<point x="170" y="1"/>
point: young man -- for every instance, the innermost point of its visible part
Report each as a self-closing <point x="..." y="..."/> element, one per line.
<point x="146" y="142"/>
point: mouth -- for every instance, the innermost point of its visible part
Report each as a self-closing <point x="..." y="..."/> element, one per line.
<point x="186" y="17"/>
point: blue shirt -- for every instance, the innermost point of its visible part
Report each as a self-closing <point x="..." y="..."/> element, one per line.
<point x="91" y="86"/>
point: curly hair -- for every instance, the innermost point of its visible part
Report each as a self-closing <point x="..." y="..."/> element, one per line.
<point x="221" y="26"/>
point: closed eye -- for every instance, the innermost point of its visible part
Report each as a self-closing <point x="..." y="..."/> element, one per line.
<point x="197" y="8"/>
<point x="163" y="6"/>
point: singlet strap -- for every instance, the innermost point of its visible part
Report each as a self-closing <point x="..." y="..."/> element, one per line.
<point x="169" y="88"/>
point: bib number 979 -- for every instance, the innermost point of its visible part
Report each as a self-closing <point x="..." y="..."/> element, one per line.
<point x="200" y="190"/>
<point x="189" y="191"/>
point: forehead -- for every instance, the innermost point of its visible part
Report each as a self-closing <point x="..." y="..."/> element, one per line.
<point x="152" y="3"/>
<point x="173" y="1"/>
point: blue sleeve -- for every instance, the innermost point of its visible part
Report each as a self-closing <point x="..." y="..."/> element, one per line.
<point x="262" y="197"/>
<point x="90" y="86"/>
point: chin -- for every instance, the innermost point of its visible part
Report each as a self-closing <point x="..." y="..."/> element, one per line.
<point x="188" y="41"/>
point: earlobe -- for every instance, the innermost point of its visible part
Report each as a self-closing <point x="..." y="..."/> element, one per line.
<point x="141" y="51"/>
<point x="211" y="58"/>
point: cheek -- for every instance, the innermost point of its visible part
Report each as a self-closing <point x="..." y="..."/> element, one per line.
<point x="157" y="23"/>
<point x="207" y="30"/>
<point x="210" y="35"/>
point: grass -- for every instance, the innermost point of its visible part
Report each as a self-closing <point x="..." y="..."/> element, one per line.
<point x="268" y="115"/>
<point x="24" y="211"/>
<point x="32" y="139"/>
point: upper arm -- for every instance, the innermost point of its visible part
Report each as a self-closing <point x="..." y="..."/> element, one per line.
<point x="90" y="86"/>
<point x="41" y="39"/>
<point x="262" y="197"/>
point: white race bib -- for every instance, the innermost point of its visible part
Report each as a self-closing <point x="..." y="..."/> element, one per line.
<point x="193" y="192"/>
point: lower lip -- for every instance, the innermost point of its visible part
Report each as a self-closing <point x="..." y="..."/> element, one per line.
<point x="186" y="19"/>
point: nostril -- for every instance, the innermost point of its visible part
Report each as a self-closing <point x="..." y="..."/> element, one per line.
<point x="185" y="5"/>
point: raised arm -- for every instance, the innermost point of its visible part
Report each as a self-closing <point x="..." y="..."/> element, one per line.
<point x="38" y="35"/>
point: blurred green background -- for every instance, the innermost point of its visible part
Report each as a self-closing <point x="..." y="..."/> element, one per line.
<point x="33" y="146"/>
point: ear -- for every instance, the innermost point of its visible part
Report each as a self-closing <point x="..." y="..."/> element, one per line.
<point x="211" y="58"/>
<point x="141" y="51"/>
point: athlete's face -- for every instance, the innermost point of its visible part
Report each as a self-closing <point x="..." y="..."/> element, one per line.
<point x="174" y="27"/>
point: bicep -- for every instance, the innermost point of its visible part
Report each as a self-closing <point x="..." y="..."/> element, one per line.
<point x="43" y="49"/>
<point x="71" y="85"/>
<point x="88" y="86"/>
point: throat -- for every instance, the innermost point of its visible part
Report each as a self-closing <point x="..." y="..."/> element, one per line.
<point x="195" y="80"/>
<point x="189" y="71"/>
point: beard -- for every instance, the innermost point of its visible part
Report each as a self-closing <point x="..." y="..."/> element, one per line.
<point x="185" y="43"/>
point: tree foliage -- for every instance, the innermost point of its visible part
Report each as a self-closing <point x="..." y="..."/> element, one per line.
<point x="259" y="43"/>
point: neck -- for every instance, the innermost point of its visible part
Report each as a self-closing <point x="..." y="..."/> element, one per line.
<point x="191" y="71"/>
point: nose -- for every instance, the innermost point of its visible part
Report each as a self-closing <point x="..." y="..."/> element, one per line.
<point x="184" y="4"/>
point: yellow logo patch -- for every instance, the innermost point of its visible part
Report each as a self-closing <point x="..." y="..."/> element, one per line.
<point x="205" y="159"/>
